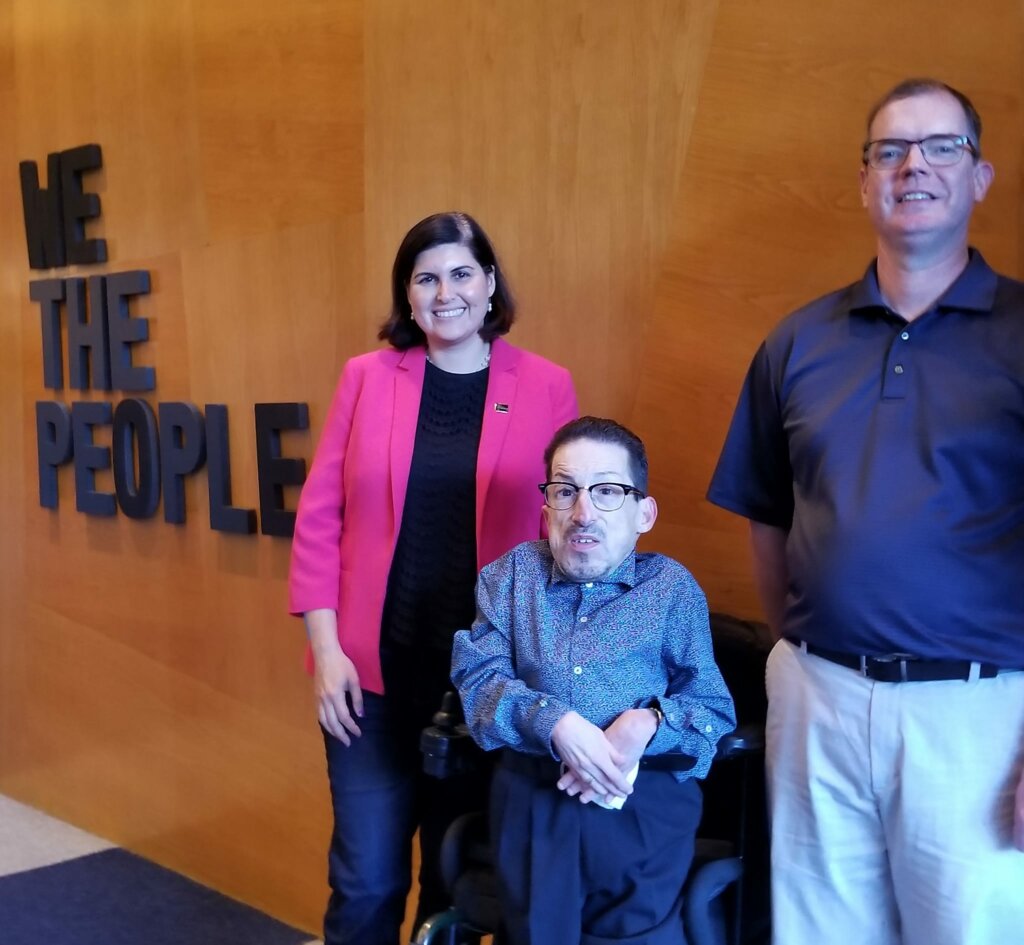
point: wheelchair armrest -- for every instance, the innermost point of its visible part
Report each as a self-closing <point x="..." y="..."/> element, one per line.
<point x="447" y="747"/>
<point x="702" y="914"/>
<point x="746" y="740"/>
<point x="449" y="751"/>
<point x="465" y="845"/>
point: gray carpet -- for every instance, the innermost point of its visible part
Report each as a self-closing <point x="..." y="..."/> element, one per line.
<point x="61" y="886"/>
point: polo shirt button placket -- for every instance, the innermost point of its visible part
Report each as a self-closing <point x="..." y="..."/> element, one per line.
<point x="894" y="380"/>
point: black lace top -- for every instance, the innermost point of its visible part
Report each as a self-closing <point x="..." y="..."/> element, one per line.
<point x="433" y="573"/>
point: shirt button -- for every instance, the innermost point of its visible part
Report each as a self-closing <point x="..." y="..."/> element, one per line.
<point x="589" y="584"/>
<point x="898" y="369"/>
<point x="578" y="670"/>
<point x="583" y="619"/>
<point x="543" y="702"/>
<point x="905" y="335"/>
<point x="707" y="728"/>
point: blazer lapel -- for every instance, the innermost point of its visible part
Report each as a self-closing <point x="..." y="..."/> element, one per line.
<point x="499" y="411"/>
<point x="408" y="392"/>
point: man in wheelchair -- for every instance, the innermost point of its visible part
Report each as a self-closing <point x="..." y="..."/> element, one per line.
<point x="590" y="667"/>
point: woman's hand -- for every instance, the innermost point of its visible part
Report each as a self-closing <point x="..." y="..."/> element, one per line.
<point x="335" y="678"/>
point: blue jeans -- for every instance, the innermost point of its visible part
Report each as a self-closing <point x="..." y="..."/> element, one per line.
<point x="380" y="796"/>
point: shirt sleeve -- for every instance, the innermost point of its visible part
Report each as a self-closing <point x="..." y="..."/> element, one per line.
<point x="754" y="477"/>
<point x="315" y="573"/>
<point x="696" y="703"/>
<point x="501" y="711"/>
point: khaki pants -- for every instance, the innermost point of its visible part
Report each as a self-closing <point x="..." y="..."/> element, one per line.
<point x="892" y="807"/>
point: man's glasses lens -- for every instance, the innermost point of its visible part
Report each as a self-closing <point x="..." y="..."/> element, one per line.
<point x="938" y="150"/>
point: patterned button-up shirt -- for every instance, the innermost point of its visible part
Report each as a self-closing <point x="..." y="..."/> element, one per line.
<point x="542" y="645"/>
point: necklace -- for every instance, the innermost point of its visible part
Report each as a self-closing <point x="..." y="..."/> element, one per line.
<point x="484" y="361"/>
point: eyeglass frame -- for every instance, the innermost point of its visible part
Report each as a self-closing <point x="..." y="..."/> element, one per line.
<point x="627" y="491"/>
<point x="962" y="142"/>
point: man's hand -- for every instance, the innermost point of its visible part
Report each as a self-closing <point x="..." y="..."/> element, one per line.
<point x="630" y="734"/>
<point x="1018" y="815"/>
<point x="595" y="764"/>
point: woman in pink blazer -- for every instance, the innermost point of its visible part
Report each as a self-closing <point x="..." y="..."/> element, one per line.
<point x="426" y="470"/>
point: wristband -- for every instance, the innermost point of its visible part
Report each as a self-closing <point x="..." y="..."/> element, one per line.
<point x="659" y="717"/>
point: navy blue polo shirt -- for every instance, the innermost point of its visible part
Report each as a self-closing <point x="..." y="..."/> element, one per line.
<point x="893" y="452"/>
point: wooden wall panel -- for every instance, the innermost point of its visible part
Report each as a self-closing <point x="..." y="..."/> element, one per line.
<point x="279" y="89"/>
<point x="663" y="180"/>
<point x="115" y="73"/>
<point x="560" y="126"/>
<point x="768" y="216"/>
<point x="152" y="688"/>
<point x="11" y="424"/>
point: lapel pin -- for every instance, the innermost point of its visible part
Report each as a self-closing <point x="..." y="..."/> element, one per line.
<point x="501" y="408"/>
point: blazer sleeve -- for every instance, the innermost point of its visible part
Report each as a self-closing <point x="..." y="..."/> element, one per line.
<point x="564" y="407"/>
<point x="315" y="573"/>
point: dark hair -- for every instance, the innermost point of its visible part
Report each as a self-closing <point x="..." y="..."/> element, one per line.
<point x="909" y="88"/>
<point x="603" y="431"/>
<point x="400" y="329"/>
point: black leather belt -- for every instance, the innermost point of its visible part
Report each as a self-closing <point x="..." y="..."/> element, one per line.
<point x="901" y="667"/>
<point x="545" y="768"/>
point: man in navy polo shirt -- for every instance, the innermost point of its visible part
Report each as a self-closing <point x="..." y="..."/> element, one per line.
<point x="878" y="451"/>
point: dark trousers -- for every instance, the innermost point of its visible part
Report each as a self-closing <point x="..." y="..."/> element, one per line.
<point x="380" y="796"/>
<point x="575" y="874"/>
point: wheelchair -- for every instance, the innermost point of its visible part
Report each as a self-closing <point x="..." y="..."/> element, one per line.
<point x="725" y="900"/>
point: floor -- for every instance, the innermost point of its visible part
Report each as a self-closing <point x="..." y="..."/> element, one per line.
<point x="62" y="886"/>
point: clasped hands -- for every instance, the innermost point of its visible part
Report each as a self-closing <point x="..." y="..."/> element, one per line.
<point x="599" y="761"/>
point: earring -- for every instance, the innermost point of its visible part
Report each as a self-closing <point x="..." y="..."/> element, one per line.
<point x="490" y="308"/>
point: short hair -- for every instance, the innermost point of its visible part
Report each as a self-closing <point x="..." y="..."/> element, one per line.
<point x="603" y="431"/>
<point x="909" y="88"/>
<point x="400" y="330"/>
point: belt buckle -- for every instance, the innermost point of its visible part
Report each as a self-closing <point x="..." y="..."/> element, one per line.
<point x="901" y="658"/>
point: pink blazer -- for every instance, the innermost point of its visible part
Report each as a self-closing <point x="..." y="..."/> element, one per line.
<point x="350" y="510"/>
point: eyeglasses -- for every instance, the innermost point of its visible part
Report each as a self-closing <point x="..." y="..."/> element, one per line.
<point x="606" y="496"/>
<point x="938" y="150"/>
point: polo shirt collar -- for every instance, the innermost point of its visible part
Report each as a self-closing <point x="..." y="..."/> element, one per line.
<point x="974" y="290"/>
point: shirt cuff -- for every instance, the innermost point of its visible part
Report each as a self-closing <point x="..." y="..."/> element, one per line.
<point x="694" y="727"/>
<point x="547" y="712"/>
